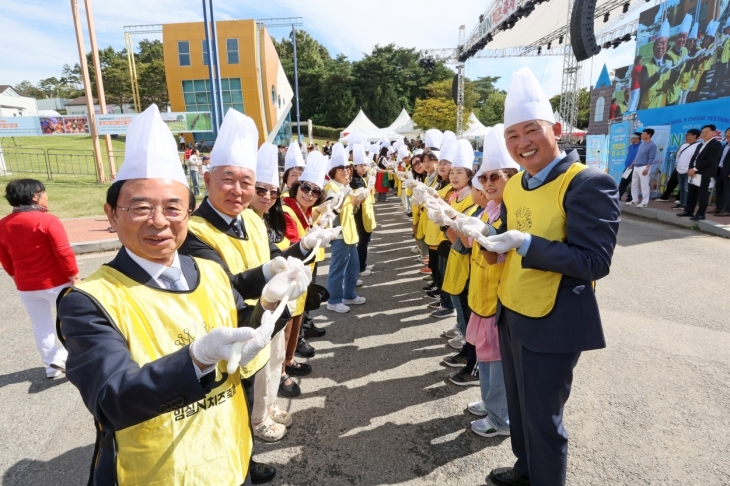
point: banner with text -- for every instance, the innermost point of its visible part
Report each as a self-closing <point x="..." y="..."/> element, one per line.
<point x="596" y="152"/>
<point x="618" y="144"/>
<point x="182" y="122"/>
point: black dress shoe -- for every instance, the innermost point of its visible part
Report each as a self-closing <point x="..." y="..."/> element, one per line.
<point x="312" y="331"/>
<point x="684" y="214"/>
<point x="298" y="369"/>
<point x="288" y="391"/>
<point x="697" y="218"/>
<point x="304" y="349"/>
<point x="505" y="476"/>
<point x="261" y="473"/>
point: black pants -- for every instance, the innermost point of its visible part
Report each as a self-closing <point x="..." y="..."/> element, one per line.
<point x="468" y="350"/>
<point x="623" y="185"/>
<point x="537" y="386"/>
<point x="362" y="245"/>
<point x="433" y="264"/>
<point x="307" y="321"/>
<point x="672" y="184"/>
<point x="699" y="195"/>
<point x="722" y="191"/>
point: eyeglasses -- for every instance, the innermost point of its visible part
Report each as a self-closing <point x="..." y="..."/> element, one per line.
<point x="262" y="191"/>
<point x="145" y="212"/>
<point x="340" y="167"/>
<point x="307" y="189"/>
<point x="443" y="163"/>
<point x="493" y="177"/>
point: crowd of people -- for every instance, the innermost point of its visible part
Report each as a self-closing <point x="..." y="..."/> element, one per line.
<point x="191" y="332"/>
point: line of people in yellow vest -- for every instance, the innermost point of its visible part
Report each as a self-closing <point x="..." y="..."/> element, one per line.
<point x="180" y="345"/>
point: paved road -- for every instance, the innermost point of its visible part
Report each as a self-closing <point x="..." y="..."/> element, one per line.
<point x="652" y="408"/>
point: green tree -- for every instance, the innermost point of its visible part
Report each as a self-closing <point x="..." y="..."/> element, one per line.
<point x="584" y="108"/>
<point x="435" y="113"/>
<point x="338" y="104"/>
<point x="26" y="88"/>
<point x="491" y="111"/>
<point x="152" y="84"/>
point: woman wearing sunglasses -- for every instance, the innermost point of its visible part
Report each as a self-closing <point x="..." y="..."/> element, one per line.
<point x="498" y="167"/>
<point x="293" y="167"/>
<point x="344" y="264"/>
<point x="365" y="216"/>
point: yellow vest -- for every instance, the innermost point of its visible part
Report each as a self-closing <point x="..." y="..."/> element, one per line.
<point x="240" y="255"/>
<point x="656" y="96"/>
<point x="674" y="91"/>
<point x="725" y="56"/>
<point x="433" y="233"/>
<point x="347" y="218"/>
<point x="484" y="279"/>
<point x="457" y="266"/>
<point x="297" y="309"/>
<point x="207" y="442"/>
<point x="368" y="213"/>
<point x="422" y="219"/>
<point x="539" y="212"/>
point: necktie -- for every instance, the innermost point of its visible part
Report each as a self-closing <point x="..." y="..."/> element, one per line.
<point x="236" y="225"/>
<point x="173" y="278"/>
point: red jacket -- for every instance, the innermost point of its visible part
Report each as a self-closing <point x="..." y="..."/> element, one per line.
<point x="34" y="249"/>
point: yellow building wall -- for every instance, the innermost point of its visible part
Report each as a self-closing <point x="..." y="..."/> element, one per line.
<point x="255" y="98"/>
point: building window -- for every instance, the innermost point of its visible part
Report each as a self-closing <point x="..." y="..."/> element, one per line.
<point x="205" y="53"/>
<point x="273" y="94"/>
<point x="183" y="53"/>
<point x="196" y="93"/>
<point x="232" y="50"/>
<point x="600" y="106"/>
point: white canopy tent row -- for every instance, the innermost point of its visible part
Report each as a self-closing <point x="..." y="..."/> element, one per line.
<point x="405" y="126"/>
<point x="364" y="128"/>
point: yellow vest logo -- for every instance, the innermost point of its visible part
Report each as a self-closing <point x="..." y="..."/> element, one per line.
<point x="187" y="336"/>
<point x="524" y="219"/>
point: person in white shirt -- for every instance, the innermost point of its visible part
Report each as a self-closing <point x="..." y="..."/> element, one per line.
<point x="679" y="174"/>
<point x="194" y="164"/>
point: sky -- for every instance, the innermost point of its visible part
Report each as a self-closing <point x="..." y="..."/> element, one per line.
<point x="37" y="37"/>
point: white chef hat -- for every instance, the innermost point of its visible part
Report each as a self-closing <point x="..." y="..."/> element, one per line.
<point x="391" y="151"/>
<point x="686" y="24"/>
<point x="712" y="27"/>
<point x="267" y="164"/>
<point x="236" y="142"/>
<point x="449" y="136"/>
<point x="385" y="143"/>
<point x="433" y="138"/>
<point x="496" y="155"/>
<point x="151" y="151"/>
<point x="358" y="154"/>
<point x="664" y="30"/>
<point x="695" y="31"/>
<point x="315" y="169"/>
<point x="526" y="100"/>
<point x="339" y="156"/>
<point x="398" y="144"/>
<point x="464" y="157"/>
<point x="448" y="151"/>
<point x="417" y="152"/>
<point x="293" y="157"/>
<point x="403" y="152"/>
<point x="355" y="138"/>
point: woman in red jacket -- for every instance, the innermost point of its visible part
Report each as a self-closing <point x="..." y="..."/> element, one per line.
<point x="35" y="252"/>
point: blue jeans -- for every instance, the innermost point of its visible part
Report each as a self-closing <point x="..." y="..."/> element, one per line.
<point x="195" y="178"/>
<point x="494" y="395"/>
<point x="682" y="181"/>
<point x="344" y="269"/>
<point x="460" y="319"/>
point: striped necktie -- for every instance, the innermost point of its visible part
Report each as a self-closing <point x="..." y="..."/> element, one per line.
<point x="173" y="278"/>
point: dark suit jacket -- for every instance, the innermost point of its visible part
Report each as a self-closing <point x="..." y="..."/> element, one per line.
<point x="706" y="161"/>
<point x="250" y="283"/>
<point x="592" y="209"/>
<point x="116" y="390"/>
<point x="726" y="163"/>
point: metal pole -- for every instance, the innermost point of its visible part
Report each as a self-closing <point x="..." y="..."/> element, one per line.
<point x="100" y="177"/>
<point x="296" y="80"/>
<point x="99" y="85"/>
<point x="460" y="100"/>
<point x="213" y="104"/>
<point x="216" y="61"/>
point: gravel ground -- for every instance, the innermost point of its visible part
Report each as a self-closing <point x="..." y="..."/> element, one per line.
<point x="649" y="409"/>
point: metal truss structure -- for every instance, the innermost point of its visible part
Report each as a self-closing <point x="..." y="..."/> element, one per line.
<point x="129" y="31"/>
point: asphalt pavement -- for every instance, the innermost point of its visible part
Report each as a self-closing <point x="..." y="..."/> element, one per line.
<point x="650" y="409"/>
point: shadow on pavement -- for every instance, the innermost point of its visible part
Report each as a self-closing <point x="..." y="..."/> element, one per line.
<point x="37" y="378"/>
<point x="69" y="469"/>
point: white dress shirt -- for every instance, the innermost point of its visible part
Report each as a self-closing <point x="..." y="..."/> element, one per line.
<point x="684" y="156"/>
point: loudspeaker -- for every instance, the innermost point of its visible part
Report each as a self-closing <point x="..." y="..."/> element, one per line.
<point x="582" y="37"/>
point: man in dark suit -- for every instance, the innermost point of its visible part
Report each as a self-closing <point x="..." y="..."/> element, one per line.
<point x="559" y="225"/>
<point x="722" y="193"/>
<point x="703" y="166"/>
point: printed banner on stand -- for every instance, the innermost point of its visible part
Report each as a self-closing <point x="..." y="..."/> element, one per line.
<point x="596" y="152"/>
<point x="618" y="144"/>
<point x="178" y="122"/>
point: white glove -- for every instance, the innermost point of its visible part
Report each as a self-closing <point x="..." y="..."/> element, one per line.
<point x="298" y="277"/>
<point x="410" y="183"/>
<point x="436" y="217"/>
<point x="323" y="235"/>
<point x="430" y="191"/>
<point x="325" y="219"/>
<point x="277" y="265"/>
<point x="217" y="344"/>
<point x="448" y="210"/>
<point x="505" y="242"/>
<point x="261" y="337"/>
<point x="470" y="226"/>
<point x="371" y="182"/>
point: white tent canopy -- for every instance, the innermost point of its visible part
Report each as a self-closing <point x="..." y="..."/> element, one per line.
<point x="476" y="128"/>
<point x="367" y="129"/>
<point x="404" y="125"/>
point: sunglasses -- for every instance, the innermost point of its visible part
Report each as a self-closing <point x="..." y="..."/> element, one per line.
<point x="494" y="177"/>
<point x="262" y="191"/>
<point x="307" y="189"/>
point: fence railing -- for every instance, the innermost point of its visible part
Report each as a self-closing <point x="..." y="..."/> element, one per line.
<point x="16" y="160"/>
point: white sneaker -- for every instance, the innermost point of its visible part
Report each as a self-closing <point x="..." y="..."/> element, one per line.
<point x="59" y="365"/>
<point x="631" y="203"/>
<point x="477" y="408"/>
<point x="280" y="416"/>
<point x="642" y="205"/>
<point x="457" y="342"/>
<point x="53" y="374"/>
<point x="355" y="301"/>
<point x="451" y="333"/>
<point x="341" y="308"/>
<point x="415" y="250"/>
<point x="269" y="430"/>
<point x="485" y="428"/>
<point x="359" y="283"/>
<point x="366" y="272"/>
<point x="370" y="267"/>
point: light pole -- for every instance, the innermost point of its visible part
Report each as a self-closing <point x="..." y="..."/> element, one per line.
<point x="219" y="90"/>
<point x="293" y="36"/>
<point x="212" y="93"/>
